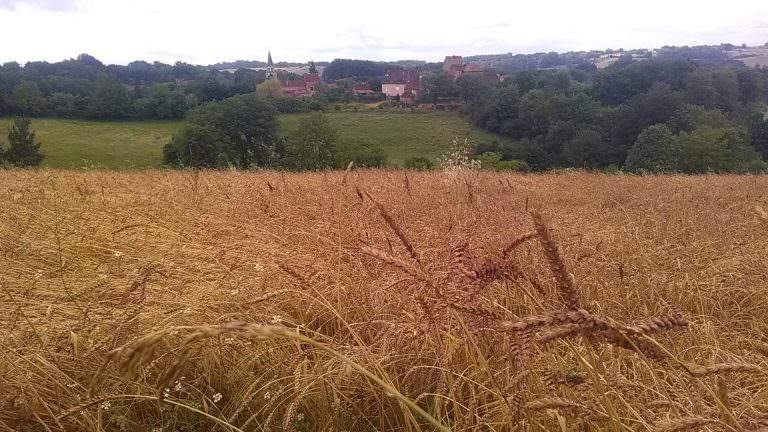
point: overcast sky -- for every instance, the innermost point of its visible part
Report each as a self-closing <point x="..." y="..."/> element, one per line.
<point x="204" y="32"/>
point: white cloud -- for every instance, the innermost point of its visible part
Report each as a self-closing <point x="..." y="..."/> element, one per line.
<point x="207" y="32"/>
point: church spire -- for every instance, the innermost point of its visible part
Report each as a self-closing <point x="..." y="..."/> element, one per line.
<point x="270" y="67"/>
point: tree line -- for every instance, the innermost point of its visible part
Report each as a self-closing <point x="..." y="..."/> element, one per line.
<point x="704" y="119"/>
<point x="85" y="88"/>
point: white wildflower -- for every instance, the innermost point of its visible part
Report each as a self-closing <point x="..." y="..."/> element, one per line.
<point x="276" y="319"/>
<point x="229" y="340"/>
<point x="166" y="392"/>
<point x="267" y="395"/>
<point x="234" y="292"/>
<point x="217" y="397"/>
<point x="105" y="405"/>
<point x="258" y="267"/>
<point x="117" y="253"/>
<point x="177" y="386"/>
<point x="102" y="276"/>
<point x="300" y="417"/>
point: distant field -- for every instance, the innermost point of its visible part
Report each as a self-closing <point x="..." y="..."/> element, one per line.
<point x="113" y="145"/>
<point x="402" y="135"/>
<point x="138" y="144"/>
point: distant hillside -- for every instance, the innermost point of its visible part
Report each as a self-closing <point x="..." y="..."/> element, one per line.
<point x="255" y="64"/>
<point x="707" y="55"/>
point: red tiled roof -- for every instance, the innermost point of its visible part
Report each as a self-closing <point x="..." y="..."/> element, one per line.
<point x="412" y="86"/>
<point x="311" y="78"/>
<point x="294" y="83"/>
<point x="408" y="95"/>
<point x="401" y="77"/>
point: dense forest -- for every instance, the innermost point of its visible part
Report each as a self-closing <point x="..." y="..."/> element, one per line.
<point x="86" y="88"/>
<point x="704" y="118"/>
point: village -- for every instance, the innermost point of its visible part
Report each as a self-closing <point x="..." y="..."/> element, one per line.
<point x="401" y="86"/>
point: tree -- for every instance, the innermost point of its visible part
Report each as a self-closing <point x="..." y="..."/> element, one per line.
<point x="313" y="145"/>
<point x="110" y="99"/>
<point x="438" y="86"/>
<point x="656" y="150"/>
<point x="23" y="150"/>
<point x="419" y="163"/>
<point x="720" y="150"/>
<point x="241" y="131"/>
<point x="198" y="145"/>
<point x="312" y="67"/>
<point x="27" y="98"/>
<point x="65" y="105"/>
<point x="700" y="89"/>
<point x="493" y="161"/>
<point x="269" y="88"/>
<point x="364" y="154"/>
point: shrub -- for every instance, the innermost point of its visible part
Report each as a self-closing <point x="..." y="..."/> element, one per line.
<point x="419" y="163"/>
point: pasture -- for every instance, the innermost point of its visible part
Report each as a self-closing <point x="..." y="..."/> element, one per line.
<point x="382" y="301"/>
<point x="138" y="144"/>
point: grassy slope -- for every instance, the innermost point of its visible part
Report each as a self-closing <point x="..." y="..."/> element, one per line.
<point x="116" y="145"/>
<point x="402" y="135"/>
<point x="138" y="144"/>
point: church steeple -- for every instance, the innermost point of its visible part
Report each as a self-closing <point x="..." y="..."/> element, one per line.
<point x="270" y="67"/>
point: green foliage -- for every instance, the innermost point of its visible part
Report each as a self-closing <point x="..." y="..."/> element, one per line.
<point x="715" y="150"/>
<point x="66" y="105"/>
<point x="419" y="163"/>
<point x="365" y="154"/>
<point x="313" y="145"/>
<point x="162" y="102"/>
<point x="438" y="86"/>
<point x="23" y="149"/>
<point x="27" y="99"/>
<point x="242" y="132"/>
<point x="493" y="161"/>
<point x="270" y="89"/>
<point x="110" y="99"/>
<point x="199" y="145"/>
<point x="656" y="150"/>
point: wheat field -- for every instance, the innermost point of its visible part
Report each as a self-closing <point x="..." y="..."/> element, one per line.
<point x="382" y="301"/>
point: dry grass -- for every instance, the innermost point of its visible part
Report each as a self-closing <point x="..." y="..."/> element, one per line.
<point x="362" y="301"/>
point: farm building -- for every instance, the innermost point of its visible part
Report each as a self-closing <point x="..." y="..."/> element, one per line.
<point x="398" y="82"/>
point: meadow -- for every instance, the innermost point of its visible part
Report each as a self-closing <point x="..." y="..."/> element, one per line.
<point x="138" y="144"/>
<point x="382" y="301"/>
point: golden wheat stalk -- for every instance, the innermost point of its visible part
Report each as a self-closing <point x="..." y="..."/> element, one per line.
<point x="688" y="423"/>
<point x="398" y="230"/>
<point x="565" y="282"/>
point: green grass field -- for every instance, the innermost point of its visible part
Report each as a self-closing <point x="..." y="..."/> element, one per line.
<point x="113" y="145"/>
<point x="138" y="144"/>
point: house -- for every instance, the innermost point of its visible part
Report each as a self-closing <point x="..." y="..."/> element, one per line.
<point x="311" y="80"/>
<point x="455" y="66"/>
<point x="307" y="86"/>
<point x="397" y="82"/>
<point x="408" y="97"/>
<point x="295" y="88"/>
<point x="451" y="62"/>
<point x="363" y="90"/>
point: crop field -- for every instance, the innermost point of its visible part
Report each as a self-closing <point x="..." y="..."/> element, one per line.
<point x="382" y="301"/>
<point x="130" y="145"/>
